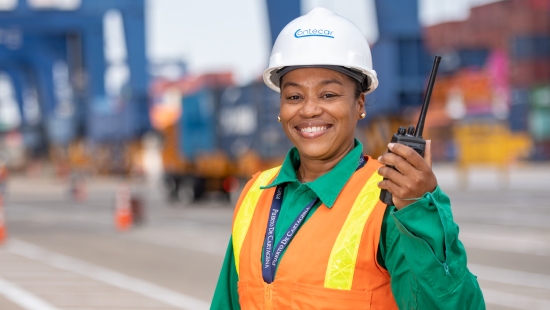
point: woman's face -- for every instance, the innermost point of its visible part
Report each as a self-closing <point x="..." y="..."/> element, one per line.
<point x="319" y="111"/>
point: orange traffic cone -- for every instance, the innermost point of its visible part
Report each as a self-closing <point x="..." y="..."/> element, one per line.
<point x="3" y="232"/>
<point x="123" y="211"/>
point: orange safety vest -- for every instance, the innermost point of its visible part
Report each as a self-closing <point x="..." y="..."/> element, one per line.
<point x="330" y="263"/>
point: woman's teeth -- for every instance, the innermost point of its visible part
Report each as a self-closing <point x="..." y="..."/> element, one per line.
<point x="313" y="129"/>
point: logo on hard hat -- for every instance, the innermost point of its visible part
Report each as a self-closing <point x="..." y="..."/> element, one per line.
<point x="313" y="33"/>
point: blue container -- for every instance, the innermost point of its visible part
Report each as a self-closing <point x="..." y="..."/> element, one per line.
<point x="518" y="119"/>
<point x="114" y="124"/>
<point x="271" y="105"/>
<point x="531" y="47"/>
<point x="473" y="57"/>
<point x="198" y="124"/>
<point x="413" y="60"/>
<point x="270" y="140"/>
<point x="247" y="120"/>
<point x="238" y="119"/>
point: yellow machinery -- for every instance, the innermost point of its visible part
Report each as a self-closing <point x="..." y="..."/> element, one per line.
<point x="489" y="144"/>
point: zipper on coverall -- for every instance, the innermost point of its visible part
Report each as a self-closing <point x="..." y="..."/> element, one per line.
<point x="268" y="298"/>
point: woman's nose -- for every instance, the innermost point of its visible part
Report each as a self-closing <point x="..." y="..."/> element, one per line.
<point x="310" y="108"/>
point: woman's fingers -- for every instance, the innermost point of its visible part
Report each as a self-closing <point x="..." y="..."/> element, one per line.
<point x="409" y="154"/>
<point x="413" y="177"/>
<point x="393" y="175"/>
<point x="393" y="188"/>
<point x="398" y="192"/>
<point x="398" y="162"/>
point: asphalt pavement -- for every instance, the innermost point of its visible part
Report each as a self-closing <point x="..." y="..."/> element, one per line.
<point x="64" y="254"/>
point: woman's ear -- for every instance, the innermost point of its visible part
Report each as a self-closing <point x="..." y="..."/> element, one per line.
<point x="361" y="104"/>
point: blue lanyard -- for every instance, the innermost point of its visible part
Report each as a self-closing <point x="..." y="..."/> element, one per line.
<point x="272" y="254"/>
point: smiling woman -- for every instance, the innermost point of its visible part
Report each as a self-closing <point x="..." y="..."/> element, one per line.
<point x="312" y="233"/>
<point x="319" y="111"/>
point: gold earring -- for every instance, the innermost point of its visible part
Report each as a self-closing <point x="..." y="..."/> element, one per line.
<point x="362" y="115"/>
<point x="279" y="119"/>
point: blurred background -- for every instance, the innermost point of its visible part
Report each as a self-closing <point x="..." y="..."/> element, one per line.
<point x="129" y="127"/>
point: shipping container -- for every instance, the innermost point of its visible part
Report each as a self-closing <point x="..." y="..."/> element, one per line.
<point x="530" y="47"/>
<point x="198" y="124"/>
<point x="173" y="160"/>
<point x="529" y="73"/>
<point x="524" y="18"/>
<point x="199" y="165"/>
<point x="473" y="57"/>
<point x="248" y="128"/>
<point x="539" y="124"/>
<point x="541" y="151"/>
<point x="237" y="117"/>
<point x="540" y="97"/>
<point x="413" y="59"/>
<point x="271" y="142"/>
<point x="110" y="127"/>
<point x="518" y="118"/>
<point x="492" y="26"/>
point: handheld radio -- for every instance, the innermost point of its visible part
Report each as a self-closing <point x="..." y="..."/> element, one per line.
<point x="411" y="137"/>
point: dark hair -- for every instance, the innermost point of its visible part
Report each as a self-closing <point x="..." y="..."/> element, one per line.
<point x="358" y="87"/>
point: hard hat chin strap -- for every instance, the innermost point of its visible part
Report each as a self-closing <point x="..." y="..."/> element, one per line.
<point x="362" y="78"/>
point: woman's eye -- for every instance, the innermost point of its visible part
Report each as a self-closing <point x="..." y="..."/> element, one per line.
<point x="293" y="97"/>
<point x="329" y="96"/>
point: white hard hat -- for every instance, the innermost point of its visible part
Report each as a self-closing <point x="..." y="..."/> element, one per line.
<point x="321" y="38"/>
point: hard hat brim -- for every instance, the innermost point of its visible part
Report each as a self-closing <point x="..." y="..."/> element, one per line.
<point x="269" y="72"/>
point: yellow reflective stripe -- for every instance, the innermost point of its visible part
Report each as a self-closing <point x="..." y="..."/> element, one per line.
<point x="244" y="217"/>
<point x="341" y="264"/>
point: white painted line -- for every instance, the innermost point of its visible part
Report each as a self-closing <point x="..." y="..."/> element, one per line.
<point x="23" y="298"/>
<point x="64" y="283"/>
<point x="38" y="274"/>
<point x="205" y="247"/>
<point x="513" y="277"/>
<point x="105" y="275"/>
<point x="514" y="301"/>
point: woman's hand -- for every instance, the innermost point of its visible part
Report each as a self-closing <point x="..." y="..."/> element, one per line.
<point x="414" y="177"/>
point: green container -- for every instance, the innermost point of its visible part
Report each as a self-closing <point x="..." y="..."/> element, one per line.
<point x="539" y="124"/>
<point x="540" y="97"/>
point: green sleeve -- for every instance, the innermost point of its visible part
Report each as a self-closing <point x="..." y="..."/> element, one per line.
<point x="419" y="247"/>
<point x="226" y="296"/>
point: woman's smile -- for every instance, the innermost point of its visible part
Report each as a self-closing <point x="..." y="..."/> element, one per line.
<point x="312" y="131"/>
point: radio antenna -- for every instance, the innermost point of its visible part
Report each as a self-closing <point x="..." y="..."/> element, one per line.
<point x="422" y="118"/>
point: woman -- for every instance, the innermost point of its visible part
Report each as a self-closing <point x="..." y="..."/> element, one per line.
<point x="312" y="234"/>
